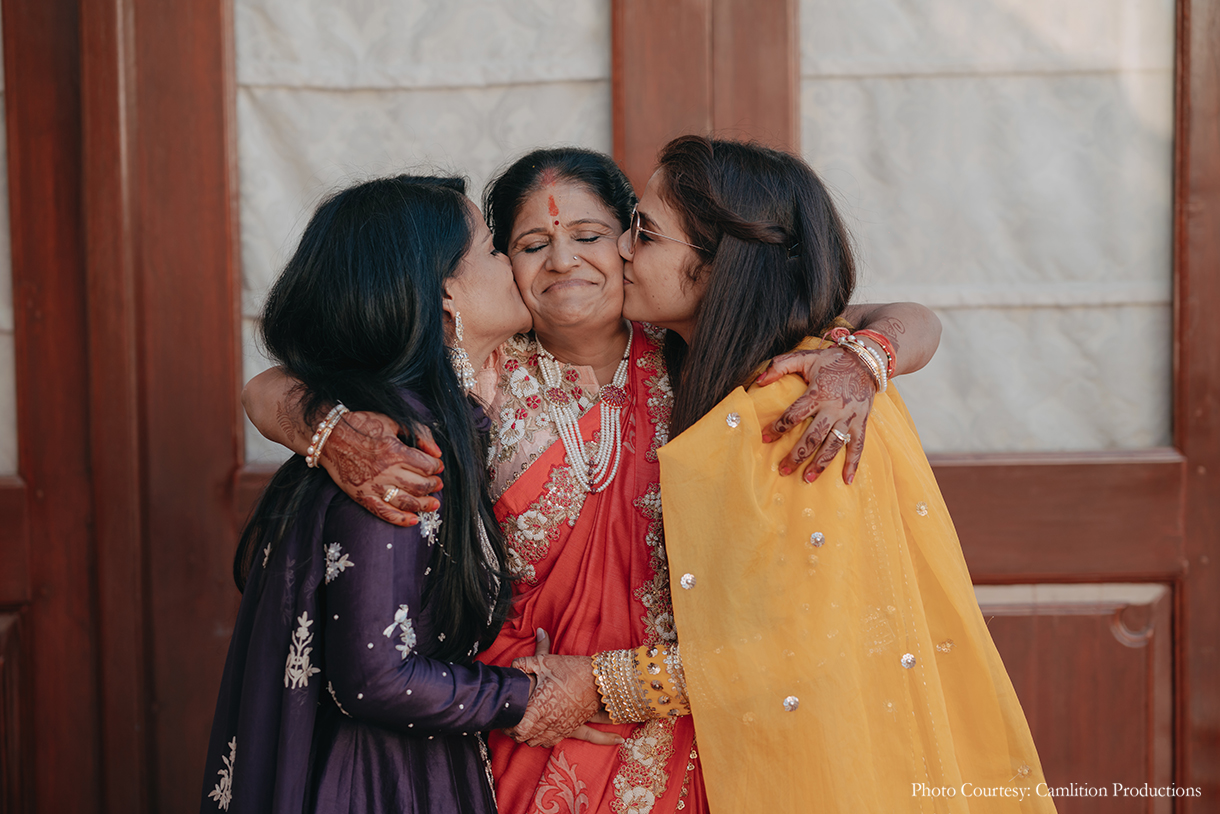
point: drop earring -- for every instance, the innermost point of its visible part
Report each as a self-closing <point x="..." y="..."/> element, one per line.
<point x="458" y="356"/>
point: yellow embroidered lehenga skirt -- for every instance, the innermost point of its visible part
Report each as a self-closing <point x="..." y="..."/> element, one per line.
<point x="836" y="659"/>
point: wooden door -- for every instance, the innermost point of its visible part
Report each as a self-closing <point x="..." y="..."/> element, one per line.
<point x="116" y="542"/>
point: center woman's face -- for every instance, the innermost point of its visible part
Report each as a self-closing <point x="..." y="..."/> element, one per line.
<point x="565" y="258"/>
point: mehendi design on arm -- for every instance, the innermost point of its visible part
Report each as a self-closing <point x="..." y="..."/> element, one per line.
<point x="889" y="327"/>
<point x="292" y="424"/>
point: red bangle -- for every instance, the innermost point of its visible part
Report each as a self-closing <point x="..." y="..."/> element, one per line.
<point x="886" y="346"/>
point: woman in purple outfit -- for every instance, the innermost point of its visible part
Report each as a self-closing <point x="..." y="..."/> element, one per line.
<point x="350" y="683"/>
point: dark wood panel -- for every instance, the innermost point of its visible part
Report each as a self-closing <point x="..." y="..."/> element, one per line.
<point x="1197" y="390"/>
<point x="661" y="78"/>
<point x="701" y="66"/>
<point x="42" y="110"/>
<point x="188" y="284"/>
<point x="109" y="141"/>
<point x="248" y="488"/>
<point x="1070" y="516"/>
<point x="14" y="542"/>
<point x="756" y="71"/>
<point x="15" y="791"/>
<point x="1095" y="679"/>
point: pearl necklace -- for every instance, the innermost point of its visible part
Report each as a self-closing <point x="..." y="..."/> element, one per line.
<point x="598" y="472"/>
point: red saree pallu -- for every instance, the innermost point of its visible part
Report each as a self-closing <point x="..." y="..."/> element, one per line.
<point x="592" y="574"/>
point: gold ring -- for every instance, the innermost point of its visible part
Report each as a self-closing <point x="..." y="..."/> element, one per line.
<point x="390" y="494"/>
<point x="842" y="436"/>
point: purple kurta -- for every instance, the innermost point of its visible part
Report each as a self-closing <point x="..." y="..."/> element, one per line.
<point x="330" y="700"/>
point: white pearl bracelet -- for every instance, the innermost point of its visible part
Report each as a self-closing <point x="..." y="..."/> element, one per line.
<point x="313" y="455"/>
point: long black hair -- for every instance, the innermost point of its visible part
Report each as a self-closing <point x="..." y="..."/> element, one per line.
<point x="356" y="318"/>
<point x="774" y="254"/>
<point x="597" y="172"/>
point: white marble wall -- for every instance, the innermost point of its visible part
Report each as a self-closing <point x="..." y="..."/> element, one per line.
<point x="1009" y="162"/>
<point x="330" y="91"/>
<point x="8" y="376"/>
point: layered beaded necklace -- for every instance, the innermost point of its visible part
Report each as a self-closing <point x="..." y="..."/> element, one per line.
<point x="596" y="473"/>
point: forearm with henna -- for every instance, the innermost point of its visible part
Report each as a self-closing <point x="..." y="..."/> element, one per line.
<point x="363" y="453"/>
<point x="912" y="329"/>
<point x="272" y="401"/>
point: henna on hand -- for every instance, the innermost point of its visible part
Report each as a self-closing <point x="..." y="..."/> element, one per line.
<point x="855" y="449"/>
<point x="813" y="437"/>
<point x="365" y="458"/>
<point x="565" y="698"/>
<point x="840" y="393"/>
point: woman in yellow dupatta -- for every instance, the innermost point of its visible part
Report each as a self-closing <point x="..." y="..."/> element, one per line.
<point x="835" y="657"/>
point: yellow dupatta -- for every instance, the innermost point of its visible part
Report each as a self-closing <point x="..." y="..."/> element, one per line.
<point x="835" y="656"/>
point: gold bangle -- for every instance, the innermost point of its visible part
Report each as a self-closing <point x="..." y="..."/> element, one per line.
<point x="617" y="676"/>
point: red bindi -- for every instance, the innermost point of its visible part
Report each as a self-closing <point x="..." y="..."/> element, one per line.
<point x="551" y="206"/>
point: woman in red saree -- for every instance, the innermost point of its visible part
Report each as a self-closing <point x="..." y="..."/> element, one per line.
<point x="584" y="577"/>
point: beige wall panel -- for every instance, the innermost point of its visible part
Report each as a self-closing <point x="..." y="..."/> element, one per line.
<point x="903" y="37"/>
<point x="1000" y="180"/>
<point x="420" y="43"/>
<point x="1010" y="165"/>
<point x="296" y="145"/>
<point x="1038" y="379"/>
<point x="333" y="92"/>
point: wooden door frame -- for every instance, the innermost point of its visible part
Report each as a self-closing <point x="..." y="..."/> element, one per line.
<point x="1149" y="515"/>
<point x="48" y="582"/>
<point x="118" y="532"/>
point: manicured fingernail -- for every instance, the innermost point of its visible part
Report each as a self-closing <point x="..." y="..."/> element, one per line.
<point x="785" y="471"/>
<point x="767" y="439"/>
<point x="851" y="478"/>
<point x="619" y="739"/>
<point x="810" y="477"/>
<point x="540" y="634"/>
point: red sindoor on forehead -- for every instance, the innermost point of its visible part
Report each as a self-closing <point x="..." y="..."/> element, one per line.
<point x="551" y="206"/>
